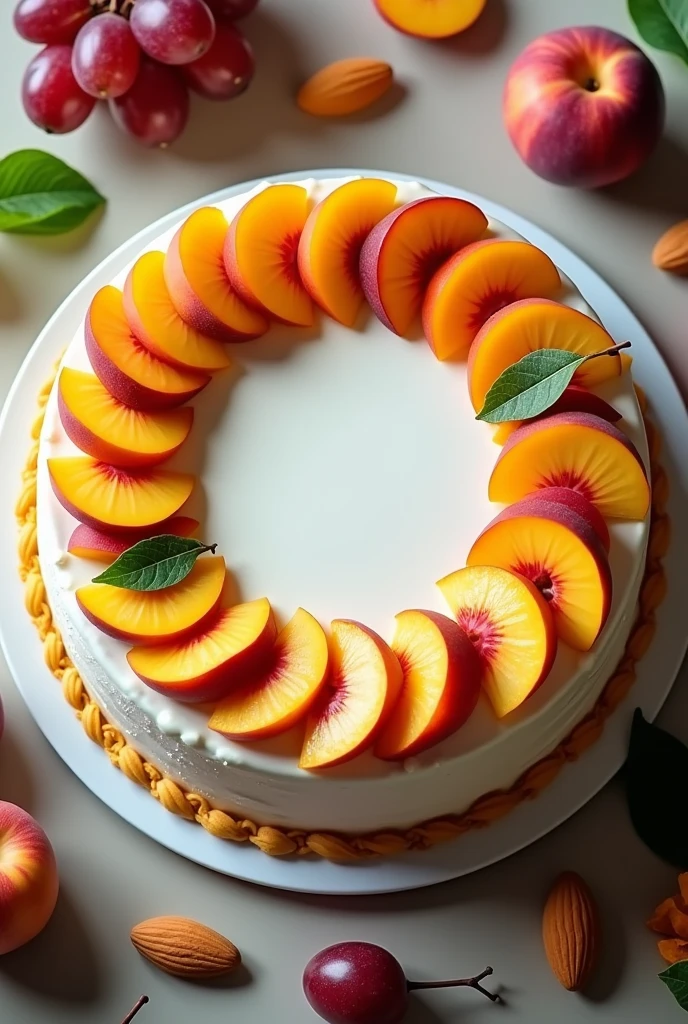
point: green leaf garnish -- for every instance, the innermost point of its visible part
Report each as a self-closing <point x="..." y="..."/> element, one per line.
<point x="154" y="563"/>
<point x="656" y="770"/>
<point x="530" y="386"/>
<point x="42" y="195"/>
<point x="663" y="24"/>
<point x="676" y="980"/>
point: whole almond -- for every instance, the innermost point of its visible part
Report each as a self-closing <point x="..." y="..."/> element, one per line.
<point x="185" y="948"/>
<point x="345" y="87"/>
<point x="571" y="931"/>
<point x="671" y="251"/>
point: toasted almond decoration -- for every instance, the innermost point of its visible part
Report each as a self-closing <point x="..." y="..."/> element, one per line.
<point x="185" y="948"/>
<point x="571" y="931"/>
<point x="345" y="87"/>
<point x="671" y="251"/>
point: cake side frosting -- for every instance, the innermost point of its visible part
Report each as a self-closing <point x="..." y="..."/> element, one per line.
<point x="263" y="781"/>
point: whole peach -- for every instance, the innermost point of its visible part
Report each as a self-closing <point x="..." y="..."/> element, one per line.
<point x="583" y="106"/>
<point x="28" y="878"/>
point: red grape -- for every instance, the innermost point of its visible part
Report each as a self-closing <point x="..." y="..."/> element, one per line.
<point x="51" y="94"/>
<point x="106" y="57"/>
<point x="226" y="69"/>
<point x="232" y="9"/>
<point x="50" y="21"/>
<point x="173" y="31"/>
<point x="156" y="108"/>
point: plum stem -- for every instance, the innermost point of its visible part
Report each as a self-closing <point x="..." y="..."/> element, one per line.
<point x="135" y="1009"/>
<point x="415" y="986"/>
<point x="613" y="351"/>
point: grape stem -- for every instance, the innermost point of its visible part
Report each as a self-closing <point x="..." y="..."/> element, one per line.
<point x="415" y="986"/>
<point x="135" y="1009"/>
<point x="123" y="7"/>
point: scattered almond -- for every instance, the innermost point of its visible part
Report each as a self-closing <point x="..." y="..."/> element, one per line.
<point x="185" y="948"/>
<point x="345" y="87"/>
<point x="671" y="251"/>
<point x="571" y="931"/>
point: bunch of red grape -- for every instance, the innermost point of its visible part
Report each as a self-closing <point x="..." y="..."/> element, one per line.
<point x="140" y="56"/>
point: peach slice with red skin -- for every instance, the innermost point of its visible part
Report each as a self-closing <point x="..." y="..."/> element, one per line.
<point x="441" y="684"/>
<point x="156" y="616"/>
<point x="197" y="280"/>
<point x="211" y="662"/>
<point x="355" y="703"/>
<point x="261" y="253"/>
<point x="477" y="282"/>
<point x="437" y="20"/>
<point x="131" y="373"/>
<point x="532" y="324"/>
<point x="573" y="399"/>
<point x="578" y="450"/>
<point x="579" y="504"/>
<point x="153" y="319"/>
<point x="403" y="251"/>
<point x="100" y="546"/>
<point x="110" y="431"/>
<point x="511" y="626"/>
<point x="117" y="500"/>
<point x="331" y="243"/>
<point x="282" y="693"/>
<point x="558" y="551"/>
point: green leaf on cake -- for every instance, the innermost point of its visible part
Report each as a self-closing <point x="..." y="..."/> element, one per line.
<point x="663" y="24"/>
<point x="676" y="980"/>
<point x="42" y="195"/>
<point x="656" y="772"/>
<point x="155" y="563"/>
<point x="530" y="386"/>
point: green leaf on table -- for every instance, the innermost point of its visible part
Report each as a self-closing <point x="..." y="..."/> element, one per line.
<point x="663" y="24"/>
<point x="656" y="772"/>
<point x="676" y="980"/>
<point x="530" y="386"/>
<point x="155" y="563"/>
<point x="42" y="195"/>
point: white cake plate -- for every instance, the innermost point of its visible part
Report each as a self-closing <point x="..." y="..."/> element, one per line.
<point x="577" y="784"/>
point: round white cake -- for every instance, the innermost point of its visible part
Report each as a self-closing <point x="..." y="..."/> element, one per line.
<point x="342" y="471"/>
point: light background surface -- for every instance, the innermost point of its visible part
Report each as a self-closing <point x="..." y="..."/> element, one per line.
<point x="447" y="126"/>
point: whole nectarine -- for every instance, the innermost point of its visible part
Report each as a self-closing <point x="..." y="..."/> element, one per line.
<point x="584" y="106"/>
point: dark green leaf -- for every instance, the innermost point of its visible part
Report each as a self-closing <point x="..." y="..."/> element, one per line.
<point x="530" y="386"/>
<point x="663" y="24"/>
<point x="656" y="773"/>
<point x="154" y="563"/>
<point x="676" y="980"/>
<point x="41" y="195"/>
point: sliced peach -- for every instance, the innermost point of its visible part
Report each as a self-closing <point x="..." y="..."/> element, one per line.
<point x="130" y="372"/>
<point x="331" y="243"/>
<point x="435" y="20"/>
<point x="156" y="616"/>
<point x="441" y="684"/>
<point x="354" y="705"/>
<point x="117" y="500"/>
<point x="105" y="428"/>
<point x="579" y="504"/>
<point x="403" y="251"/>
<point x="532" y="324"/>
<point x="100" y="546"/>
<point x="477" y="282"/>
<point x="578" y="450"/>
<point x="209" y="663"/>
<point x="573" y="399"/>
<point x="558" y="551"/>
<point x="156" y="323"/>
<point x="261" y="253"/>
<point x="282" y="694"/>
<point x="198" y="284"/>
<point x="511" y="626"/>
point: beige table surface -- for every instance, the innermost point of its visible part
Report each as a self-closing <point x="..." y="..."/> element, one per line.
<point x="446" y="126"/>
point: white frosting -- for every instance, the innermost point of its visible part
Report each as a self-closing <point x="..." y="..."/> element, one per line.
<point x="342" y="471"/>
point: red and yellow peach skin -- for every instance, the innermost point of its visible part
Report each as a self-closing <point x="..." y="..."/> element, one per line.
<point x="28" y="878"/>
